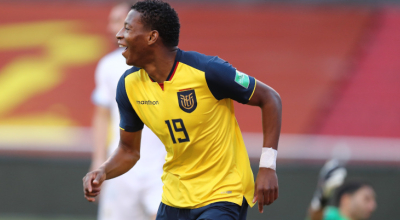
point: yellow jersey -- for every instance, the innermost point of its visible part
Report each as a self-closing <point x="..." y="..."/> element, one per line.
<point x="193" y="115"/>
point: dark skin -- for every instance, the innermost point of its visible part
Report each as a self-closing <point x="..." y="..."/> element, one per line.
<point x="122" y="160"/>
<point x="316" y="214"/>
<point x="266" y="186"/>
<point x="146" y="50"/>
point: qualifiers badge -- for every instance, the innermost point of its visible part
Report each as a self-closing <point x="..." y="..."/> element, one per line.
<point x="187" y="100"/>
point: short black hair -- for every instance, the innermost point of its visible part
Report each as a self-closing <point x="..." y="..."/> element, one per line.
<point x="348" y="188"/>
<point x="160" y="16"/>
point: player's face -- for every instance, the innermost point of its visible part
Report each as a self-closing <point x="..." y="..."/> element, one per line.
<point x="363" y="202"/>
<point x="134" y="36"/>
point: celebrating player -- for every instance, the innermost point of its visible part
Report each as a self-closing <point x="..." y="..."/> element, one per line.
<point x="143" y="184"/>
<point x="354" y="200"/>
<point x="186" y="99"/>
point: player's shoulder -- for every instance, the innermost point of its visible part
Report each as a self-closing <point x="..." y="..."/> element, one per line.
<point x="122" y="79"/>
<point x="196" y="60"/>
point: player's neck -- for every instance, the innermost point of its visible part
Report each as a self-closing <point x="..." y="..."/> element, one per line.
<point x="346" y="213"/>
<point x="161" y="64"/>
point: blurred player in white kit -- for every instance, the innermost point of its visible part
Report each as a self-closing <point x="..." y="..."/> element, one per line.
<point x="137" y="193"/>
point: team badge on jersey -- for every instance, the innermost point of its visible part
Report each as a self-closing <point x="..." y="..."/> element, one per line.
<point x="187" y="100"/>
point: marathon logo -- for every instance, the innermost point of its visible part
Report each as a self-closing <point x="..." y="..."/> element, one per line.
<point x="149" y="102"/>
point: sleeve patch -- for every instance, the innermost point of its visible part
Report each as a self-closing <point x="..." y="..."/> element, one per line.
<point x="242" y="79"/>
<point x="225" y="81"/>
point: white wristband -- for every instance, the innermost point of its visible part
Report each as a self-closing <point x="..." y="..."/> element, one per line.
<point x="268" y="158"/>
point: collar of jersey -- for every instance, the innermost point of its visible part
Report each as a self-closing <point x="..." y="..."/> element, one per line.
<point x="172" y="72"/>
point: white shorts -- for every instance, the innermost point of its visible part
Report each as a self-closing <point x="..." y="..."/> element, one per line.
<point x="129" y="197"/>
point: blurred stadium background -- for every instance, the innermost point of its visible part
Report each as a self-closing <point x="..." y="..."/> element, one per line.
<point x="336" y="64"/>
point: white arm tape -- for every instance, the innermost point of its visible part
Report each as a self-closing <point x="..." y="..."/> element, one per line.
<point x="268" y="158"/>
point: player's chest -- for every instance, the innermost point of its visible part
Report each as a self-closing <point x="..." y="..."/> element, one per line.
<point x="178" y="105"/>
<point x="184" y="100"/>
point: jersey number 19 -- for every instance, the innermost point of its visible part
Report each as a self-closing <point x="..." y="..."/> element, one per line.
<point x="181" y="129"/>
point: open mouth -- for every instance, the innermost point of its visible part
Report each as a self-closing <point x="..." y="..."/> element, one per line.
<point x="123" y="46"/>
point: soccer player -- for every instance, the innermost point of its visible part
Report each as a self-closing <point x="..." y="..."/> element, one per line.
<point x="136" y="194"/>
<point x="186" y="99"/>
<point x="354" y="200"/>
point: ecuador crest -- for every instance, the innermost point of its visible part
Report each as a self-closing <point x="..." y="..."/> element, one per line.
<point x="187" y="100"/>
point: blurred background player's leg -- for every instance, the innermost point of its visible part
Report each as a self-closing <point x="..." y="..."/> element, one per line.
<point x="117" y="204"/>
<point x="124" y="199"/>
<point x="151" y="193"/>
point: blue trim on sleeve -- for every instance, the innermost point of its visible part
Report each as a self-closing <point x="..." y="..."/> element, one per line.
<point x="129" y="121"/>
<point x="220" y="77"/>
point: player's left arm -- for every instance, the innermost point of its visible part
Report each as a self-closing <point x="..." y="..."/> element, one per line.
<point x="224" y="81"/>
<point x="266" y="186"/>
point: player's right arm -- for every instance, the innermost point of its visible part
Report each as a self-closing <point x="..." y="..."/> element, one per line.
<point x="122" y="160"/>
<point x="128" y="151"/>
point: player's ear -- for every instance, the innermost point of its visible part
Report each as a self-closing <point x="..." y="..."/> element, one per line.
<point x="153" y="37"/>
